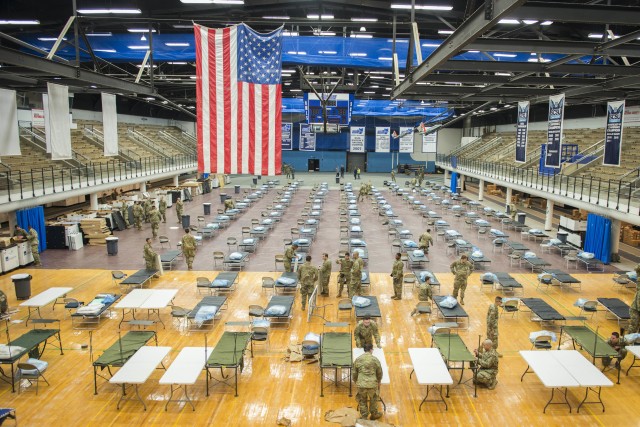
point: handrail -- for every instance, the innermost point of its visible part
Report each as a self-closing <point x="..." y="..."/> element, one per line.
<point x="500" y="155"/>
<point x="465" y="147"/>
<point x="596" y="150"/>
<point x="188" y="136"/>
<point x="487" y="146"/>
<point x="167" y="137"/>
<point x="632" y="171"/>
<point x="144" y="141"/>
<point x="97" y="137"/>
<point x="40" y="142"/>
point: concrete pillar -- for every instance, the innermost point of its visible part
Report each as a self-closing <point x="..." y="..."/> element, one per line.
<point x="615" y="239"/>
<point x="176" y="182"/>
<point x="548" y="220"/>
<point x="93" y="201"/>
<point x="446" y="175"/>
<point x="461" y="183"/>
<point x="143" y="187"/>
<point x="12" y="221"/>
<point x="507" y="198"/>
<point x="481" y="190"/>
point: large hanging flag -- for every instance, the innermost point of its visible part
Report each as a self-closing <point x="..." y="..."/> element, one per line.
<point x="239" y="100"/>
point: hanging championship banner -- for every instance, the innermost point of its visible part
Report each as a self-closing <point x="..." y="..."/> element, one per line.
<point x="287" y="136"/>
<point x="552" y="157"/>
<point x="307" y="138"/>
<point x="522" y="130"/>
<point x="430" y="142"/>
<point x="613" y="133"/>
<point x="383" y="141"/>
<point x="406" y="140"/>
<point x="356" y="139"/>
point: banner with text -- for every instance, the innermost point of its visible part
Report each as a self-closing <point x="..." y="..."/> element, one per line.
<point x="430" y="142"/>
<point x="406" y="140"/>
<point x="287" y="136"/>
<point x="356" y="139"/>
<point x="383" y="141"/>
<point x="613" y="133"/>
<point x="522" y="130"/>
<point x="307" y="138"/>
<point x="552" y="157"/>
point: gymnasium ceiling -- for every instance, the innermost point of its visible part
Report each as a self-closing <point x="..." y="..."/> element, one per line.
<point x="476" y="60"/>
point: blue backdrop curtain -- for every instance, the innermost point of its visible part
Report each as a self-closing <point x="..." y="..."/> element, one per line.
<point x="598" y="237"/>
<point x="33" y="217"/>
<point x="454" y="182"/>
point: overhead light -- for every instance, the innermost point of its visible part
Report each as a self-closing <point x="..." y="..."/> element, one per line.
<point x="595" y="35"/>
<point x="324" y="33"/>
<point x="183" y="26"/>
<point x="109" y="11"/>
<point x="287" y="83"/>
<point x="193" y="77"/>
<point x="398" y="41"/>
<point x="295" y="90"/>
<point x="384" y="58"/>
<point x="363" y="29"/>
<point x="533" y="54"/>
<point x="546" y="23"/>
<point x="20" y="22"/>
<point x="357" y="54"/>
<point x="138" y="47"/>
<point x="473" y="51"/>
<point x="361" y="36"/>
<point x="146" y="66"/>
<point x="143" y="38"/>
<point x="327" y="52"/>
<point x="290" y="33"/>
<point x="529" y="21"/>
<point x="49" y="39"/>
<point x="509" y="21"/>
<point x="277" y="18"/>
<point x="505" y="55"/>
<point x="421" y="7"/>
<point x="445" y="32"/>
<point x="105" y="50"/>
<point x="374" y="87"/>
<point x="380" y="72"/>
<point x="538" y="60"/>
<point x="503" y="74"/>
<point x="106" y="34"/>
<point x="177" y="44"/>
<point x="369" y="91"/>
<point x="288" y="71"/>
<point x="377" y="77"/>
<point x="212" y="1"/>
<point x="493" y="108"/>
<point x="293" y="52"/>
<point x="140" y="30"/>
<point x="177" y="63"/>
<point x="316" y="16"/>
<point x="150" y="98"/>
<point x="364" y="19"/>
<point x="430" y="45"/>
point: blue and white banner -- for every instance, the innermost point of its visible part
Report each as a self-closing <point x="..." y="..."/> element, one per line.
<point x="356" y="139"/>
<point x="287" y="136"/>
<point x="613" y="133"/>
<point x="307" y="138"/>
<point x="406" y="140"/>
<point x="522" y="131"/>
<point x="383" y="139"/>
<point x="553" y="154"/>
<point x="430" y="142"/>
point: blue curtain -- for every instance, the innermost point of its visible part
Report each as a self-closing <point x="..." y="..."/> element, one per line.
<point x="598" y="237"/>
<point x="454" y="181"/>
<point x="33" y="217"/>
<point x="454" y="162"/>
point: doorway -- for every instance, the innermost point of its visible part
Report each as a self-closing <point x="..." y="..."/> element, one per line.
<point x="313" y="165"/>
<point x="356" y="160"/>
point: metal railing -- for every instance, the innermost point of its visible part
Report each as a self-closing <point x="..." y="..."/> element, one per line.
<point x="595" y="150"/>
<point x="617" y="194"/>
<point x="19" y="185"/>
<point x="145" y="142"/>
<point x="175" y="142"/>
<point x="37" y="139"/>
<point x="96" y="137"/>
<point x="189" y="137"/>
<point x="459" y="151"/>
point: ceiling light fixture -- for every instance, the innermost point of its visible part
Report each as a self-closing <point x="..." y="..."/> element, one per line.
<point x="106" y="34"/>
<point x="49" y="39"/>
<point x="509" y="21"/>
<point x="361" y="36"/>
<point x="505" y="55"/>
<point x="421" y="7"/>
<point x="364" y="19"/>
<point x="363" y="29"/>
<point x="138" y="47"/>
<point x="277" y="18"/>
<point x="445" y="32"/>
<point x="140" y="30"/>
<point x="20" y="22"/>
<point x="357" y="54"/>
<point x="430" y="45"/>
<point x="109" y="11"/>
<point x="105" y="50"/>
<point x="177" y="44"/>
<point x="327" y="52"/>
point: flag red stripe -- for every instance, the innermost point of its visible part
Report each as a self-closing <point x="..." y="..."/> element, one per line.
<point x="252" y="126"/>
<point x="278" y="117"/>
<point x="213" y="113"/>
<point x="197" y="31"/>
<point x="226" y="87"/>
<point x="265" y="130"/>
<point x="239" y="119"/>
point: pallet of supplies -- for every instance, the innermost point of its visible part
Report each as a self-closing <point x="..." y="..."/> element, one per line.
<point x="95" y="230"/>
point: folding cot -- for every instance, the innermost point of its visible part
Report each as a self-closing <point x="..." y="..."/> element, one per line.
<point x="434" y="282"/>
<point x="543" y="311"/>
<point x="454" y="313"/>
<point x="535" y="263"/>
<point x="228" y="354"/>
<point x="591" y="263"/>
<point x="508" y="283"/>
<point x="196" y="321"/>
<point x="479" y="262"/>
<point x="372" y="310"/>
<point x="589" y="341"/>
<point x="617" y="307"/>
<point x="138" y="279"/>
<point x="280" y="319"/>
<point x="224" y="282"/>
<point x="454" y="351"/>
<point x="336" y="353"/>
<point x="167" y="258"/>
<point x="564" y="279"/>
<point x="415" y="260"/>
<point x="89" y="316"/>
<point x="249" y="244"/>
<point x="287" y="282"/>
<point x="230" y="264"/>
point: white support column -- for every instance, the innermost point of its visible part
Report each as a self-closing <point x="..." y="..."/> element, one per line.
<point x="461" y="183"/>
<point x="143" y="187"/>
<point x="615" y="239"/>
<point x="12" y="221"/>
<point x="446" y="175"/>
<point x="481" y="190"/>
<point x="176" y="182"/>
<point x="507" y="199"/>
<point x="93" y="201"/>
<point x="548" y="220"/>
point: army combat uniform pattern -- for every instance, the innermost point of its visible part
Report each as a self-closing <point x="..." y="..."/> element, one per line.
<point x="487" y="369"/>
<point x="345" y="275"/>
<point x="367" y="374"/>
<point x="356" y="278"/>
<point x="462" y="270"/>
<point x="634" y="311"/>
<point x="325" y="276"/>
<point x="396" y="273"/>
<point x="492" y="325"/>
<point x="364" y="334"/>
<point x="307" y="275"/>
<point x="189" y="249"/>
<point x="289" y="254"/>
<point x="149" y="257"/>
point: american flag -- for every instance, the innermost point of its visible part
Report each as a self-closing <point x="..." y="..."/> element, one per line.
<point x="239" y="100"/>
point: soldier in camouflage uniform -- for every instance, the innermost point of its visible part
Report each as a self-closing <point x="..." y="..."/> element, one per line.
<point x="188" y="244"/>
<point x="367" y="374"/>
<point x="393" y="176"/>
<point x="325" y="275"/>
<point x="492" y="323"/>
<point x="425" y="241"/>
<point x="229" y="204"/>
<point x="634" y="310"/>
<point x="345" y="273"/>
<point x="147" y="209"/>
<point x="425" y="293"/>
<point x="179" y="209"/>
<point x="487" y="365"/>
<point x="356" y="275"/>
<point x="366" y="332"/>
<point x="462" y="270"/>
<point x="307" y="275"/>
<point x="618" y="345"/>
<point x="289" y="255"/>
<point x="123" y="211"/>
<point x="138" y="213"/>
<point x="396" y="273"/>
<point x="149" y="255"/>
<point x="421" y="177"/>
<point x="34" y="242"/>
<point x="154" y="217"/>
<point x="162" y="208"/>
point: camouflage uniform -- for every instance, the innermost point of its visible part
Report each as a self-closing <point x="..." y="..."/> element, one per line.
<point x="138" y="213"/>
<point x="425" y="293"/>
<point x="367" y="374"/>
<point x="396" y="273"/>
<point x="307" y="275"/>
<point x="188" y="249"/>
<point x="393" y="176"/>
<point x="366" y="334"/>
<point x="162" y="208"/>
<point x="425" y="241"/>
<point x="420" y="177"/>
<point x="123" y="211"/>
<point x="462" y="270"/>
<point x="492" y="325"/>
<point x="149" y="257"/>
<point x="634" y="314"/>
<point x="487" y="369"/>
<point x="345" y="274"/>
<point x="179" y="210"/>
<point x="229" y="204"/>
<point x="622" y="352"/>
<point x="356" y="278"/>
<point x="289" y="255"/>
<point x="34" y="242"/>
<point x="154" y="217"/>
<point x="325" y="276"/>
<point x="147" y="209"/>
<point x="362" y="191"/>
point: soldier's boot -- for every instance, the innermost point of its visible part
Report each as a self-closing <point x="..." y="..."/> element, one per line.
<point x="414" y="312"/>
<point x="462" y="300"/>
<point x="376" y="416"/>
<point x="493" y="384"/>
<point x="499" y="354"/>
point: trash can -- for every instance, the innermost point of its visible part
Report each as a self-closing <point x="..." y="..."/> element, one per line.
<point x="22" y="284"/>
<point x="112" y="245"/>
<point x="255" y="181"/>
<point x="237" y="189"/>
<point x="459" y="190"/>
<point x="522" y="216"/>
<point x="338" y="179"/>
<point x="186" y="221"/>
<point x="207" y="208"/>
<point x="562" y="236"/>
<point x="223" y="197"/>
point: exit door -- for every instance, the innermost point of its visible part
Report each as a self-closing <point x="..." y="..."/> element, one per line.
<point x="313" y="165"/>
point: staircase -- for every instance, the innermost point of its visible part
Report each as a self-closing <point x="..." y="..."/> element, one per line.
<point x="96" y="137"/>
<point x="37" y="140"/>
<point x="593" y="154"/>
<point x="145" y="142"/>
<point x="175" y="143"/>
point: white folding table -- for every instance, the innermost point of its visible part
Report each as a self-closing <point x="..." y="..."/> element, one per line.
<point x="184" y="371"/>
<point x="44" y="298"/>
<point x="138" y="369"/>
<point x="379" y="354"/>
<point x="635" y="350"/>
<point x="152" y="300"/>
<point x="564" y="369"/>
<point x="431" y="371"/>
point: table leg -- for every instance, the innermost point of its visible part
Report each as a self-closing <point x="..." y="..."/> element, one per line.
<point x="566" y="401"/>
<point x="598" y="392"/>
<point x="632" y="364"/>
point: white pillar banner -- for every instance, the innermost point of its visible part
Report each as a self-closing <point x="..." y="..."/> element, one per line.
<point x="9" y="134"/>
<point x="47" y="126"/>
<point x="383" y="139"/>
<point x="406" y="140"/>
<point x="110" y="124"/>
<point x="357" y="139"/>
<point x="59" y="121"/>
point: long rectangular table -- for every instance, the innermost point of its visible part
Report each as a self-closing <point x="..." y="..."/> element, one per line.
<point x="635" y="350"/>
<point x="431" y="371"/>
<point x="589" y="341"/>
<point x="44" y="298"/>
<point x="563" y="369"/>
<point x="138" y="369"/>
<point x="184" y="371"/>
<point x="152" y="300"/>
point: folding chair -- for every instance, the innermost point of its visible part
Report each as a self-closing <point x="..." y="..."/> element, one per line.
<point x="512" y="307"/>
<point x="542" y="342"/>
<point x="164" y="240"/>
<point x="590" y="307"/>
<point x="268" y="283"/>
<point x="117" y="275"/>
<point x="32" y="371"/>
<point x="345" y="306"/>
<point x="217" y="256"/>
